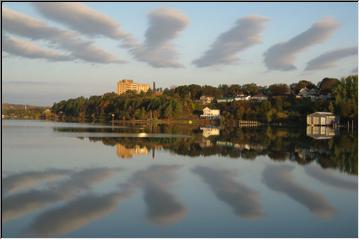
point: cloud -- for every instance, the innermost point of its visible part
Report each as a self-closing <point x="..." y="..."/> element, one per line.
<point x="244" y="201"/>
<point x="243" y="35"/>
<point x="29" y="49"/>
<point x="23" y="180"/>
<point x="328" y="178"/>
<point x="73" y="215"/>
<point x="328" y="59"/>
<point x="82" y="18"/>
<point x="279" y="179"/>
<point x="282" y="56"/>
<point x="158" y="50"/>
<point x="26" y="26"/>
<point x="19" y="204"/>
<point x="355" y="70"/>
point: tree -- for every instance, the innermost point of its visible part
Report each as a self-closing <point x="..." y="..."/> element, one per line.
<point x="250" y="89"/>
<point x="346" y="99"/>
<point x="328" y="84"/>
<point x="279" y="89"/>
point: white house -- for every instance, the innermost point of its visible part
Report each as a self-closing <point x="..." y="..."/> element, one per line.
<point x="210" y="113"/>
<point x="242" y="97"/>
<point x="259" y="97"/>
<point x="307" y="93"/>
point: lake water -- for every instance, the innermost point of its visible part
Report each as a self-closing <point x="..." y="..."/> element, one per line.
<point x="88" y="180"/>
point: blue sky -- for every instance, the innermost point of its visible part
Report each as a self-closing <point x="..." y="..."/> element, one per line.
<point x="181" y="33"/>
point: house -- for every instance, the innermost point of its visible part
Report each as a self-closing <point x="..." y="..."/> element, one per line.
<point x="242" y="97"/>
<point x="259" y="97"/>
<point x="210" y="113"/>
<point x="206" y="99"/>
<point x="210" y="131"/>
<point x="306" y="93"/>
<point x="321" y="119"/>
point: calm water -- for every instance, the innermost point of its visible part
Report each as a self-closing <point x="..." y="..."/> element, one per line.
<point x="83" y="180"/>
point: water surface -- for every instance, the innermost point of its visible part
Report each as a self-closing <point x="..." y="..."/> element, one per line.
<point x="90" y="180"/>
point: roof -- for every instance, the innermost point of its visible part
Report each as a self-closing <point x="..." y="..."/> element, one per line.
<point x="321" y="114"/>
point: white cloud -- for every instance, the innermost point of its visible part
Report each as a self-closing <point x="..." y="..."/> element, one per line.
<point x="243" y="35"/>
<point x="158" y="50"/>
<point x="328" y="59"/>
<point x="83" y="19"/>
<point x="282" y="56"/>
<point x="29" y="49"/>
<point x="23" y="25"/>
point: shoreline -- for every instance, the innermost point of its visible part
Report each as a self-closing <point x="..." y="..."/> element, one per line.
<point x="182" y="122"/>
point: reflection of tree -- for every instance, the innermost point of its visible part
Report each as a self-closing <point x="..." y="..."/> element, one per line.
<point x="279" y="144"/>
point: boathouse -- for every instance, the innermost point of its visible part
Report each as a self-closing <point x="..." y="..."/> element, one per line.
<point x="321" y="119"/>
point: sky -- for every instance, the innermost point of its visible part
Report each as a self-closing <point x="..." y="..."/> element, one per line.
<point x="55" y="51"/>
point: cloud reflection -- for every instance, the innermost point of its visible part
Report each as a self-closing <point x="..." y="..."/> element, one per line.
<point x="279" y="179"/>
<point x="243" y="200"/>
<point x="327" y="177"/>
<point x="162" y="206"/>
<point x="28" y="179"/>
<point x="19" y="204"/>
<point x="73" y="215"/>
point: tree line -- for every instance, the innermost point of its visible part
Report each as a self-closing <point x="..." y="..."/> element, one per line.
<point x="182" y="102"/>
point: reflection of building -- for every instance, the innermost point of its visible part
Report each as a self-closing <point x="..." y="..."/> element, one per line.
<point x="225" y="100"/>
<point x="320" y="132"/>
<point x="210" y="113"/>
<point x="210" y="131"/>
<point x="124" y="152"/>
<point x="206" y="99"/>
<point x="321" y="119"/>
<point x="129" y="85"/>
<point x="205" y="143"/>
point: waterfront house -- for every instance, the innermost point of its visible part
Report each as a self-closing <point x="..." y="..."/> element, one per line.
<point x="210" y="113"/>
<point x="321" y="119"/>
